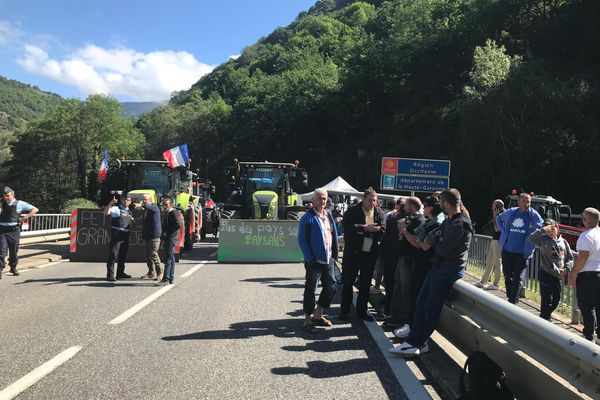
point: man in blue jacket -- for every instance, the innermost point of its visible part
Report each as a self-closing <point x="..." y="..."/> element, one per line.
<point x="317" y="236"/>
<point x="516" y="225"/>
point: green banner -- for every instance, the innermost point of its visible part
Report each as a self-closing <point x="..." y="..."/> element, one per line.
<point x="258" y="241"/>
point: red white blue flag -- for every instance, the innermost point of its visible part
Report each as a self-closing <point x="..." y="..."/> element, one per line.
<point x="177" y="156"/>
<point x="103" y="168"/>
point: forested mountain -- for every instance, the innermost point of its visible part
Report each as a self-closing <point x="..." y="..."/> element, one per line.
<point x="19" y="104"/>
<point x="507" y="89"/>
<point x="133" y="109"/>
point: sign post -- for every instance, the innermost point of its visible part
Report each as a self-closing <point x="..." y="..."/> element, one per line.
<point x="414" y="175"/>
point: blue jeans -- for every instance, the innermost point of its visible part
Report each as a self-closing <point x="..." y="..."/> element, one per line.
<point x="326" y="274"/>
<point x="435" y="291"/>
<point x="169" y="244"/>
<point x="514" y="267"/>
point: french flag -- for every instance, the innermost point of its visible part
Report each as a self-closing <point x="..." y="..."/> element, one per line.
<point x="177" y="156"/>
<point x="103" y="168"/>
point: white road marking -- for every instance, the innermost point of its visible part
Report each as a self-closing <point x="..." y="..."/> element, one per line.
<point x="192" y="270"/>
<point x="40" y="266"/>
<point x="34" y="376"/>
<point x="405" y="377"/>
<point x="133" y="310"/>
<point x="214" y="253"/>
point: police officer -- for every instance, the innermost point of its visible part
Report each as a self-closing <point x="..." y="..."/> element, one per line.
<point x="10" y="227"/>
<point x="121" y="219"/>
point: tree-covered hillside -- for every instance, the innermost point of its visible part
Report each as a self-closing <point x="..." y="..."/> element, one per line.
<point x="19" y="104"/>
<point x="134" y="109"/>
<point x="507" y="89"/>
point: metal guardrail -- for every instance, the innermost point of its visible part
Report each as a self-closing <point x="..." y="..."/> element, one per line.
<point x="47" y="225"/>
<point x="477" y="254"/>
<point x="535" y="353"/>
<point x="40" y="222"/>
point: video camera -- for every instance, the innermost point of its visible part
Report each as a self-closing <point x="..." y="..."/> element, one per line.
<point x="116" y="194"/>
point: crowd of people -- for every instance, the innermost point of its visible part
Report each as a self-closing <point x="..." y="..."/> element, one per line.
<point x="419" y="248"/>
<point x="156" y="232"/>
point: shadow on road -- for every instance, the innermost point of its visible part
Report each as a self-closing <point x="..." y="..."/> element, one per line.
<point x="324" y="369"/>
<point x="327" y="347"/>
<point x="88" y="281"/>
<point x="291" y="327"/>
<point x="274" y="282"/>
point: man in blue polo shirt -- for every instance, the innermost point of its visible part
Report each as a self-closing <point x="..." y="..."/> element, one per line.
<point x="516" y="225"/>
<point x="10" y="227"/>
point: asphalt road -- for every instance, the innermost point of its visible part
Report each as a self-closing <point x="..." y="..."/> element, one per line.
<point x="225" y="331"/>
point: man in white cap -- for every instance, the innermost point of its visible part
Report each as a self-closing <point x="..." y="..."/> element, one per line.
<point x="10" y="227"/>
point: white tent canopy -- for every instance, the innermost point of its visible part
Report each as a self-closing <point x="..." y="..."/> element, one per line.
<point x="336" y="186"/>
<point x="341" y="187"/>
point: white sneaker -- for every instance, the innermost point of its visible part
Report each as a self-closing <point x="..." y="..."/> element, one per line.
<point x="408" y="350"/>
<point x="402" y="332"/>
<point x="479" y="284"/>
<point x="491" y="286"/>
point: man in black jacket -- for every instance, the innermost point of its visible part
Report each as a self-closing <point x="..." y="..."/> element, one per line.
<point x="151" y="233"/>
<point x="362" y="231"/>
<point x="171" y="224"/>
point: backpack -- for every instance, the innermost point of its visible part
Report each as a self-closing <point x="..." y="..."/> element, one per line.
<point x="485" y="379"/>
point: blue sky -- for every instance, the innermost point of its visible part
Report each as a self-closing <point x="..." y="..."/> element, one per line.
<point x="133" y="50"/>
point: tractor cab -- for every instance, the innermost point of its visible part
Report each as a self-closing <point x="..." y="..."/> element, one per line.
<point x="264" y="190"/>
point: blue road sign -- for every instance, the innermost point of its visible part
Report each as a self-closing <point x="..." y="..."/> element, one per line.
<point x="421" y="184"/>
<point x="416" y="166"/>
<point x="388" y="182"/>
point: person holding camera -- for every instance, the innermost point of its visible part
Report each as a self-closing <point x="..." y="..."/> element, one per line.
<point x="493" y="259"/>
<point x="10" y="227"/>
<point x="121" y="219"/>
<point x="451" y="248"/>
<point x="401" y="310"/>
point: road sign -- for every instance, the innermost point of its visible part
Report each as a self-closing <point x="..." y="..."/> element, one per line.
<point x="388" y="182"/>
<point x="416" y="166"/>
<point x="414" y="174"/>
<point x="421" y="184"/>
<point x="389" y="166"/>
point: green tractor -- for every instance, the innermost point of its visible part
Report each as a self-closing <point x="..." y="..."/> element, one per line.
<point x="157" y="179"/>
<point x="264" y="190"/>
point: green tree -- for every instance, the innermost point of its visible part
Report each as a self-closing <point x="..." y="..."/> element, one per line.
<point x="56" y="158"/>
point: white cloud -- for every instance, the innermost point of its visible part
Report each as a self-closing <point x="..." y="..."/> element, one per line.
<point x="9" y="34"/>
<point x="119" y="71"/>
